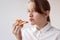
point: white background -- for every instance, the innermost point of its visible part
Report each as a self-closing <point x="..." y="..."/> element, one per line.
<point x="13" y="9"/>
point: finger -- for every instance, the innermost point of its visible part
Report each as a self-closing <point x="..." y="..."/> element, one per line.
<point x="18" y="28"/>
<point x="18" y="31"/>
<point x="14" y="27"/>
<point x="15" y="30"/>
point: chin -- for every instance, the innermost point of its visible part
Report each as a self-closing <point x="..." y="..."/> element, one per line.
<point x="32" y="23"/>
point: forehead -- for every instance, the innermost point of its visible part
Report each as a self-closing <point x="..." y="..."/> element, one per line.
<point x="31" y="5"/>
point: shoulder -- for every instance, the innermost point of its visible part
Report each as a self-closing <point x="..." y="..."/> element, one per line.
<point x="56" y="31"/>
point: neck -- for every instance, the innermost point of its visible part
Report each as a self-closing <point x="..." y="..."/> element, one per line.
<point x="41" y="26"/>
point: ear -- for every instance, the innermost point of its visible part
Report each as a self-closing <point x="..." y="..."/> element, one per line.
<point x="47" y="14"/>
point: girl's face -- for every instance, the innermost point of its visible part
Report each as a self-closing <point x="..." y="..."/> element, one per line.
<point x="35" y="17"/>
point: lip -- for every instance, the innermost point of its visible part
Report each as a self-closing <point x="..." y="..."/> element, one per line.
<point x="31" y="19"/>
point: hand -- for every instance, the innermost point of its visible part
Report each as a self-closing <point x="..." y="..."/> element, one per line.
<point x="17" y="28"/>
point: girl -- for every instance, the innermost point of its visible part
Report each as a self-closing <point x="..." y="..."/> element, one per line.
<point x="38" y="12"/>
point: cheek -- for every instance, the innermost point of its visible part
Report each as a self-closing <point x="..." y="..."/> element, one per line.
<point x="38" y="18"/>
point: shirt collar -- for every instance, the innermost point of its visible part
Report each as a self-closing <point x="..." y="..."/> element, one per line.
<point x="45" y="29"/>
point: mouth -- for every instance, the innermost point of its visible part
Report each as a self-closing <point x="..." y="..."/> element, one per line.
<point x="31" y="19"/>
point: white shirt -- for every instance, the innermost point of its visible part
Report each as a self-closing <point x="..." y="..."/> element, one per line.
<point x="46" y="33"/>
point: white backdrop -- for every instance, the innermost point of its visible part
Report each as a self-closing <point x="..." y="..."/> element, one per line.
<point x="12" y="9"/>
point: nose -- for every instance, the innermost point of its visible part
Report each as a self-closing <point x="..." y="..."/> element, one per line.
<point x="30" y="15"/>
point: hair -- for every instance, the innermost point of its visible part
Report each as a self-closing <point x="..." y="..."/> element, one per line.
<point x="42" y="6"/>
